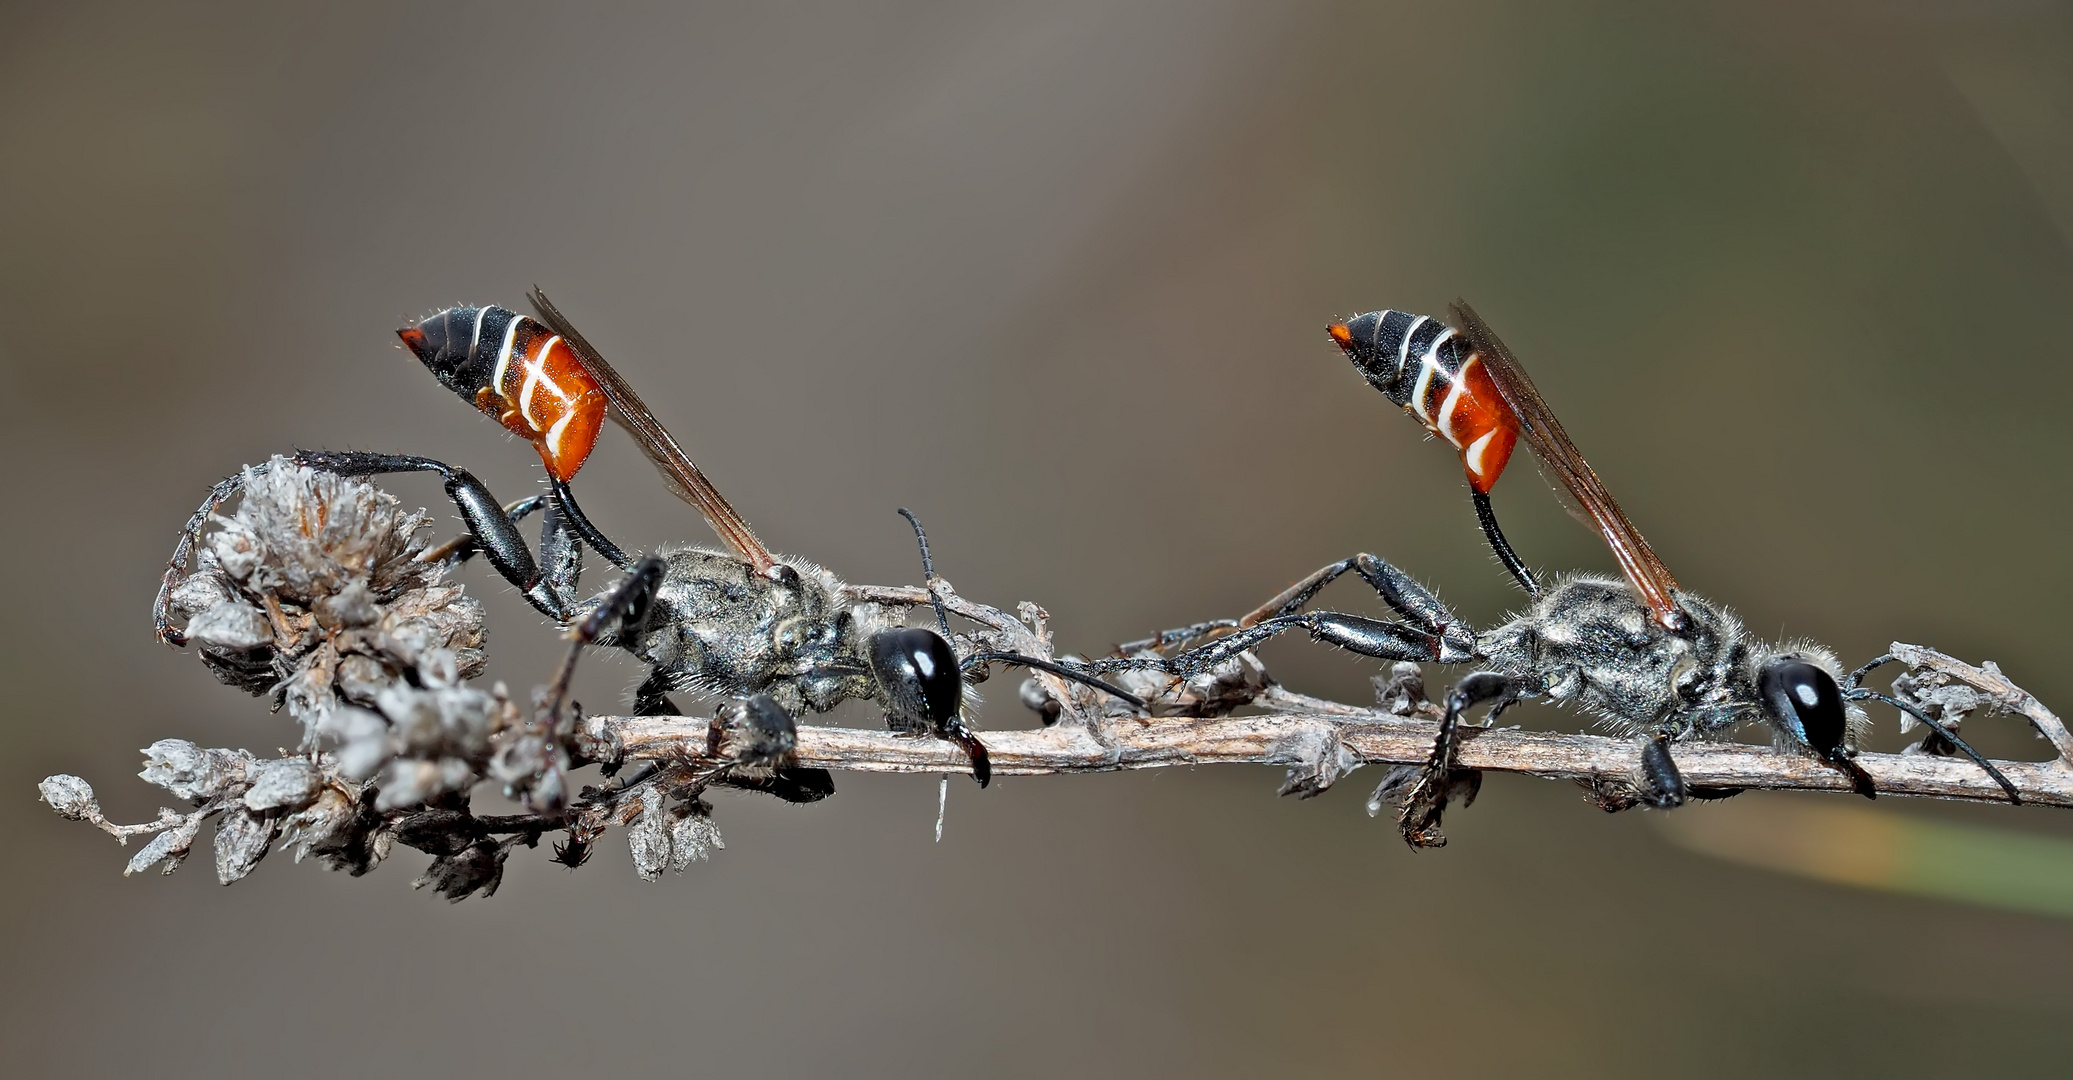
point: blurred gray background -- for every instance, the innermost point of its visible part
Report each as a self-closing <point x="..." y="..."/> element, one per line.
<point x="1796" y="276"/>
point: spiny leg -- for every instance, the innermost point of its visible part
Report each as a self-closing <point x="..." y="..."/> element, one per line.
<point x="1430" y="631"/>
<point x="492" y="528"/>
<point x="495" y="533"/>
<point x="1355" y="633"/>
<point x="1399" y="590"/>
<point x="562" y="527"/>
<point x="1473" y="690"/>
<point x="791" y="783"/>
<point x="1165" y="639"/>
<point x="183" y="550"/>
<point x="1419" y="818"/>
<point x="463" y="547"/>
<point x="561" y="554"/>
<point x="628" y="604"/>
<point x="1284" y="603"/>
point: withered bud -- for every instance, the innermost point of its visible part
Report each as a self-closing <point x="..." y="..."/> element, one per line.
<point x="231" y="624"/>
<point x="170" y="847"/>
<point x="70" y="796"/>
<point x="647" y="837"/>
<point x="409" y="781"/>
<point x="242" y="839"/>
<point x="692" y="836"/>
<point x="281" y="784"/>
<point x="364" y="743"/>
<point x="190" y="772"/>
<point x="324" y="822"/>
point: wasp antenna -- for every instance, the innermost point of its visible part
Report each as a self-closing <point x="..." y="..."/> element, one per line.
<point x="1856" y="678"/>
<point x="1059" y="670"/>
<point x="2015" y="794"/>
<point x="928" y="572"/>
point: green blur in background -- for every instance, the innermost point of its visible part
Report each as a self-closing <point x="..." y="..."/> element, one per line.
<point x="1795" y="276"/>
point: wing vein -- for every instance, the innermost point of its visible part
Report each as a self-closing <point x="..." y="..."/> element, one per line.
<point x="1552" y="445"/>
<point x="682" y="476"/>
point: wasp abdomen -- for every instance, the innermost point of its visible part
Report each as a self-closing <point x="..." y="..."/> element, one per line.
<point x="519" y="372"/>
<point x="1423" y="365"/>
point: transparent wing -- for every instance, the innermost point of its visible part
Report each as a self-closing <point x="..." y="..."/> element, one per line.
<point x="1559" y="456"/>
<point x="631" y="413"/>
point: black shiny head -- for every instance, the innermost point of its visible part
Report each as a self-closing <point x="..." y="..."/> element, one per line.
<point x="1806" y="702"/>
<point x="920" y="679"/>
<point x="450" y="344"/>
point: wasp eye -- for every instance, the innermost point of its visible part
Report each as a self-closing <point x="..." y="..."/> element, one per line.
<point x="919" y="674"/>
<point x="1805" y="701"/>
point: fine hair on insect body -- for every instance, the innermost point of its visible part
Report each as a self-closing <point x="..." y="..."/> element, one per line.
<point x="778" y="635"/>
<point x="1643" y="656"/>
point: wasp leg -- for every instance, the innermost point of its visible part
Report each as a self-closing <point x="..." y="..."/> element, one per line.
<point x="463" y="547"/>
<point x="1354" y="633"/>
<point x="495" y="533"/>
<point x="183" y="549"/>
<point x="1419" y="818"/>
<point x="628" y="604"/>
<point x="1165" y="639"/>
<point x="581" y="521"/>
<point x="552" y="593"/>
<point x="791" y="783"/>
<point x="1662" y="785"/>
<point x="563" y="528"/>
<point x="1399" y="590"/>
<point x="1431" y="633"/>
<point x="561" y="554"/>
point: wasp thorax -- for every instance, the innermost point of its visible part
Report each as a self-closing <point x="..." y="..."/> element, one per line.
<point x="793" y="634"/>
<point x="918" y="675"/>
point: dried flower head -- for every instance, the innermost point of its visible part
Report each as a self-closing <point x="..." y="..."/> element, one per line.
<point x="313" y="591"/>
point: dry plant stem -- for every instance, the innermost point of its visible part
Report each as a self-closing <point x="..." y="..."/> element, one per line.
<point x="1989" y="680"/>
<point x="1327" y="737"/>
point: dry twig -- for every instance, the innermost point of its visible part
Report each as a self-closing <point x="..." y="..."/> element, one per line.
<point x="1324" y="740"/>
<point x="319" y="595"/>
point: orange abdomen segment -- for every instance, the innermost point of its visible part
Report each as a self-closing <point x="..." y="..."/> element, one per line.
<point x="1486" y="464"/>
<point x="540" y="393"/>
<point x="1465" y="408"/>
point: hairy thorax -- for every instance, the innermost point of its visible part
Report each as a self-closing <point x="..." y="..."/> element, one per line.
<point x="718" y="627"/>
<point x="1591" y="641"/>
